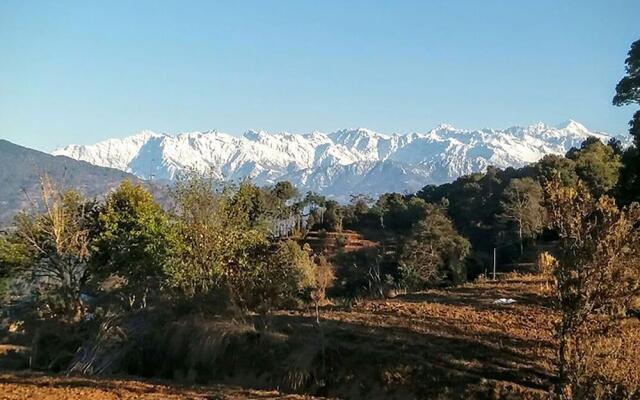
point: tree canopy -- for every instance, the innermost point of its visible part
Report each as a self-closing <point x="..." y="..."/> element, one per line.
<point x="628" y="89"/>
<point x="131" y="241"/>
<point x="434" y="251"/>
<point x="522" y="208"/>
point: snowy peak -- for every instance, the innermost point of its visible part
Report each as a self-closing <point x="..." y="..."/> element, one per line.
<point x="572" y="125"/>
<point x="340" y="163"/>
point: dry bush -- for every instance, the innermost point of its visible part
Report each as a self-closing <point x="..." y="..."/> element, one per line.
<point x="104" y="351"/>
<point x="201" y="349"/>
<point x="324" y="276"/>
<point x="597" y="277"/>
<point x="546" y="263"/>
<point x="602" y="363"/>
<point x="197" y="342"/>
<point x="192" y="348"/>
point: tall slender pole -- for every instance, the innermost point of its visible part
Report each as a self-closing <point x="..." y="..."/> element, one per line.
<point x="494" y="263"/>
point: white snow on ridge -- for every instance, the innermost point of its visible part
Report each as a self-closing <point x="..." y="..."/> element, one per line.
<point x="344" y="162"/>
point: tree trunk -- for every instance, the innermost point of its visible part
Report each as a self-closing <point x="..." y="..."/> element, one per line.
<point x="563" y="384"/>
<point x="520" y="236"/>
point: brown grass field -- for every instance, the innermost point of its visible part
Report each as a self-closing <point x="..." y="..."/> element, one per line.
<point x="438" y="344"/>
<point x="59" y="387"/>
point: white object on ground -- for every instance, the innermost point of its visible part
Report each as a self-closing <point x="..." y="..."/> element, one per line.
<point x="504" y="301"/>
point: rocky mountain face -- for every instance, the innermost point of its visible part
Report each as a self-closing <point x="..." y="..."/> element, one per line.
<point x="337" y="164"/>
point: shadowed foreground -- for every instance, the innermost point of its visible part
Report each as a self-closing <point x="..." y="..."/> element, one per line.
<point x="442" y="344"/>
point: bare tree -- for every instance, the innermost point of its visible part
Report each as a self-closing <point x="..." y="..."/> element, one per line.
<point x="59" y="237"/>
<point x="522" y="205"/>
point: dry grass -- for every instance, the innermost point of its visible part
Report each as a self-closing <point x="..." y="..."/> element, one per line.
<point x="23" y="386"/>
<point x="442" y="343"/>
<point x="438" y="344"/>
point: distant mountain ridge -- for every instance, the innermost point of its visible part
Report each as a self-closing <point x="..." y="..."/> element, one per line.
<point x="21" y="169"/>
<point x="337" y="164"/>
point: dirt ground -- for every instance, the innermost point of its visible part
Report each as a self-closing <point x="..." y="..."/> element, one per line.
<point x="27" y="386"/>
<point x="453" y="343"/>
<point x="439" y="344"/>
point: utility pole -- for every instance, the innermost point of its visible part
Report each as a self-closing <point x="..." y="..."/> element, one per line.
<point x="494" y="262"/>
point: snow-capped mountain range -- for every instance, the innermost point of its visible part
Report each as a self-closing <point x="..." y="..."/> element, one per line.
<point x="348" y="161"/>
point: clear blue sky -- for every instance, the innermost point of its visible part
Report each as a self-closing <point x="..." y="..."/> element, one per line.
<point x="83" y="71"/>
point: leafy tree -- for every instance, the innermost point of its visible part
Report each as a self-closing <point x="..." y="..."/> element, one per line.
<point x="131" y="242"/>
<point x="522" y="206"/>
<point x="628" y="89"/>
<point x="364" y="271"/>
<point x="15" y="258"/>
<point x="434" y="252"/>
<point x="628" y="92"/>
<point x="316" y="205"/>
<point x="314" y="200"/>
<point x="616" y="145"/>
<point x="398" y="212"/>
<point x="395" y="214"/>
<point x="357" y="214"/>
<point x="360" y="204"/>
<point x="380" y="208"/>
<point x="324" y="214"/>
<point x="551" y="166"/>
<point x="251" y="206"/>
<point x="333" y="216"/>
<point x="213" y="234"/>
<point x="597" y="165"/>
<point x="628" y="189"/>
<point x="284" y="191"/>
<point x="473" y="203"/>
<point x="417" y="209"/>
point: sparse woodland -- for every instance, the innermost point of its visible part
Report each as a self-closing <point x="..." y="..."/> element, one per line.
<point x="225" y="280"/>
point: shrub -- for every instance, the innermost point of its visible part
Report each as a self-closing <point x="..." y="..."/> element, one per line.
<point x="324" y="276"/>
<point x="285" y="274"/>
<point x="546" y="263"/>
